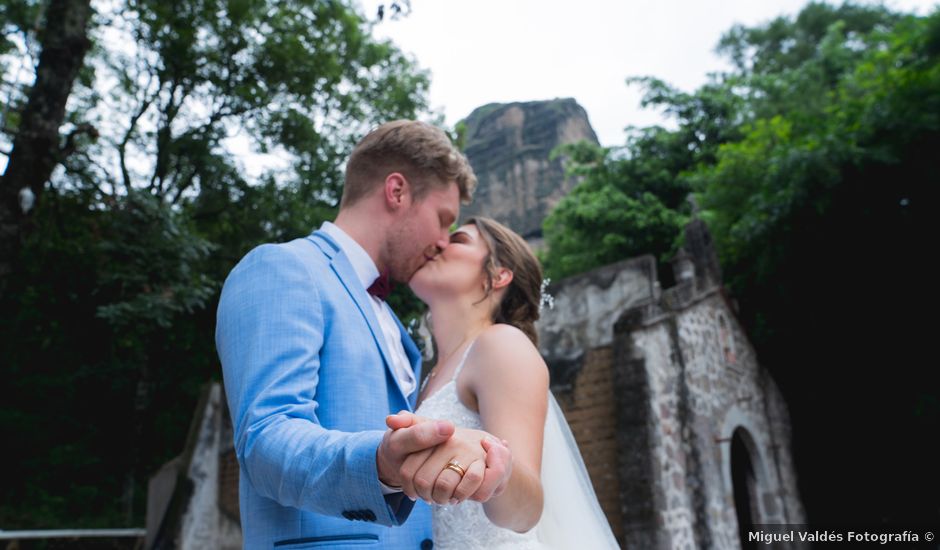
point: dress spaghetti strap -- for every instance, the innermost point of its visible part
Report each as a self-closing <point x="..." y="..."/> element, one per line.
<point x="463" y="360"/>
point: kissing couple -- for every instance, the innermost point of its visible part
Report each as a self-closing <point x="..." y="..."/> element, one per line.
<point x="315" y="363"/>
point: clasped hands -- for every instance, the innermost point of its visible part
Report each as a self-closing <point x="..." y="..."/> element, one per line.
<point x="415" y="452"/>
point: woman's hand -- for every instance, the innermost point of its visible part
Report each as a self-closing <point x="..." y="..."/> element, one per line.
<point x="485" y="460"/>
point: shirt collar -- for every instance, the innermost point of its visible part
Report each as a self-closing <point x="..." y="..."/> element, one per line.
<point x="361" y="261"/>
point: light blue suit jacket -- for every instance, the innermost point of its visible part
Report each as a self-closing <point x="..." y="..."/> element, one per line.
<point x="309" y="383"/>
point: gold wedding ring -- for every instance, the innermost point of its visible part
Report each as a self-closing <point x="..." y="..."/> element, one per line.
<point x="455" y="466"/>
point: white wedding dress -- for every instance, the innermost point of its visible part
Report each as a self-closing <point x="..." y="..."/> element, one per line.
<point x="571" y="517"/>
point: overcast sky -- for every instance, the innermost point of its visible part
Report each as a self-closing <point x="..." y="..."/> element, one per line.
<point x="483" y="51"/>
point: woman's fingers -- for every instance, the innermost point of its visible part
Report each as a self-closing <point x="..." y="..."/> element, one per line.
<point x="446" y="483"/>
<point x="497" y="472"/>
<point x="470" y="482"/>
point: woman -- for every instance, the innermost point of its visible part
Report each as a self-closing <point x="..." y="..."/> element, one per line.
<point x="484" y="293"/>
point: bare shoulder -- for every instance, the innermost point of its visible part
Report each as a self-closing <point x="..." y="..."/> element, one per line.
<point x="504" y="350"/>
<point x="500" y="334"/>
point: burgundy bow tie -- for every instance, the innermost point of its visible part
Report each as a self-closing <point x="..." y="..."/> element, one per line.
<point x="382" y="287"/>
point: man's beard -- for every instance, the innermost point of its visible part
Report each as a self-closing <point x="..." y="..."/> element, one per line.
<point x="402" y="260"/>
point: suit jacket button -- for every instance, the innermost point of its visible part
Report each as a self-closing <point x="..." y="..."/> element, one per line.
<point x="347" y="514"/>
<point x="427" y="544"/>
<point x="369" y="515"/>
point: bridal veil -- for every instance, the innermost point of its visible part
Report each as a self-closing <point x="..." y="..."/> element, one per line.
<point x="572" y="517"/>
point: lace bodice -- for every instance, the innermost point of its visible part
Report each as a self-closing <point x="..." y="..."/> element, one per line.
<point x="465" y="525"/>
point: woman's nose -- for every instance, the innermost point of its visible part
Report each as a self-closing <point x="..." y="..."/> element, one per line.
<point x="443" y="241"/>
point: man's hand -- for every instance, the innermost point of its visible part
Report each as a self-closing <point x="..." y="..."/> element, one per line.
<point x="399" y="444"/>
<point x="487" y="463"/>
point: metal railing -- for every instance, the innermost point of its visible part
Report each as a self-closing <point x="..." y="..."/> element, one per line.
<point x="74" y="538"/>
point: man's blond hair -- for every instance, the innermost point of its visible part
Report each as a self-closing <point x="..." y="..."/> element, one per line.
<point x="422" y="153"/>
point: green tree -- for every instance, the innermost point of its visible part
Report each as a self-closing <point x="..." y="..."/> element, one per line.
<point x="789" y="170"/>
<point x="112" y="293"/>
<point x="616" y="208"/>
<point x="36" y="149"/>
<point x="787" y="67"/>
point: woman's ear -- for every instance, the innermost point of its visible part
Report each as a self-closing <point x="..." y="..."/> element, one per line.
<point x="502" y="279"/>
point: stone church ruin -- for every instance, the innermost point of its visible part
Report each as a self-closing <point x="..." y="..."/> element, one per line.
<point x="686" y="437"/>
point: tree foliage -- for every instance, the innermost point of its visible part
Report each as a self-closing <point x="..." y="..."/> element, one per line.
<point x="220" y="125"/>
<point x="614" y="196"/>
<point x="811" y="98"/>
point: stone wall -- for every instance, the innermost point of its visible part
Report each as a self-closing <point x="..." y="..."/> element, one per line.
<point x="183" y="497"/>
<point x="585" y="309"/>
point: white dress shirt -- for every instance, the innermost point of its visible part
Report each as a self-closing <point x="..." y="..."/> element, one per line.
<point x="367" y="273"/>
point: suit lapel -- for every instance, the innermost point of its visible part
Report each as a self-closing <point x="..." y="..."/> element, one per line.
<point x="347" y="275"/>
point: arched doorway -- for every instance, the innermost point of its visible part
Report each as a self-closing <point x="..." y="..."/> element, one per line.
<point x="744" y="483"/>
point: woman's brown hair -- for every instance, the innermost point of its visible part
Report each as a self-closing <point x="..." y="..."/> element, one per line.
<point x="520" y="304"/>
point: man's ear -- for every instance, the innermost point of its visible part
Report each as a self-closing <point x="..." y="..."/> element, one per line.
<point x="502" y="279"/>
<point x="397" y="190"/>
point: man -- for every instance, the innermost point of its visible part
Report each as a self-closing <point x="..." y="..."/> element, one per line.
<point x="314" y="360"/>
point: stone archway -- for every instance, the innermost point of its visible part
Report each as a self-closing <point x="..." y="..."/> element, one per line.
<point x="750" y="484"/>
<point x="744" y="488"/>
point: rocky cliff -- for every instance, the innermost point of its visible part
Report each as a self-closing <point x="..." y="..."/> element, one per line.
<point x="508" y="145"/>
